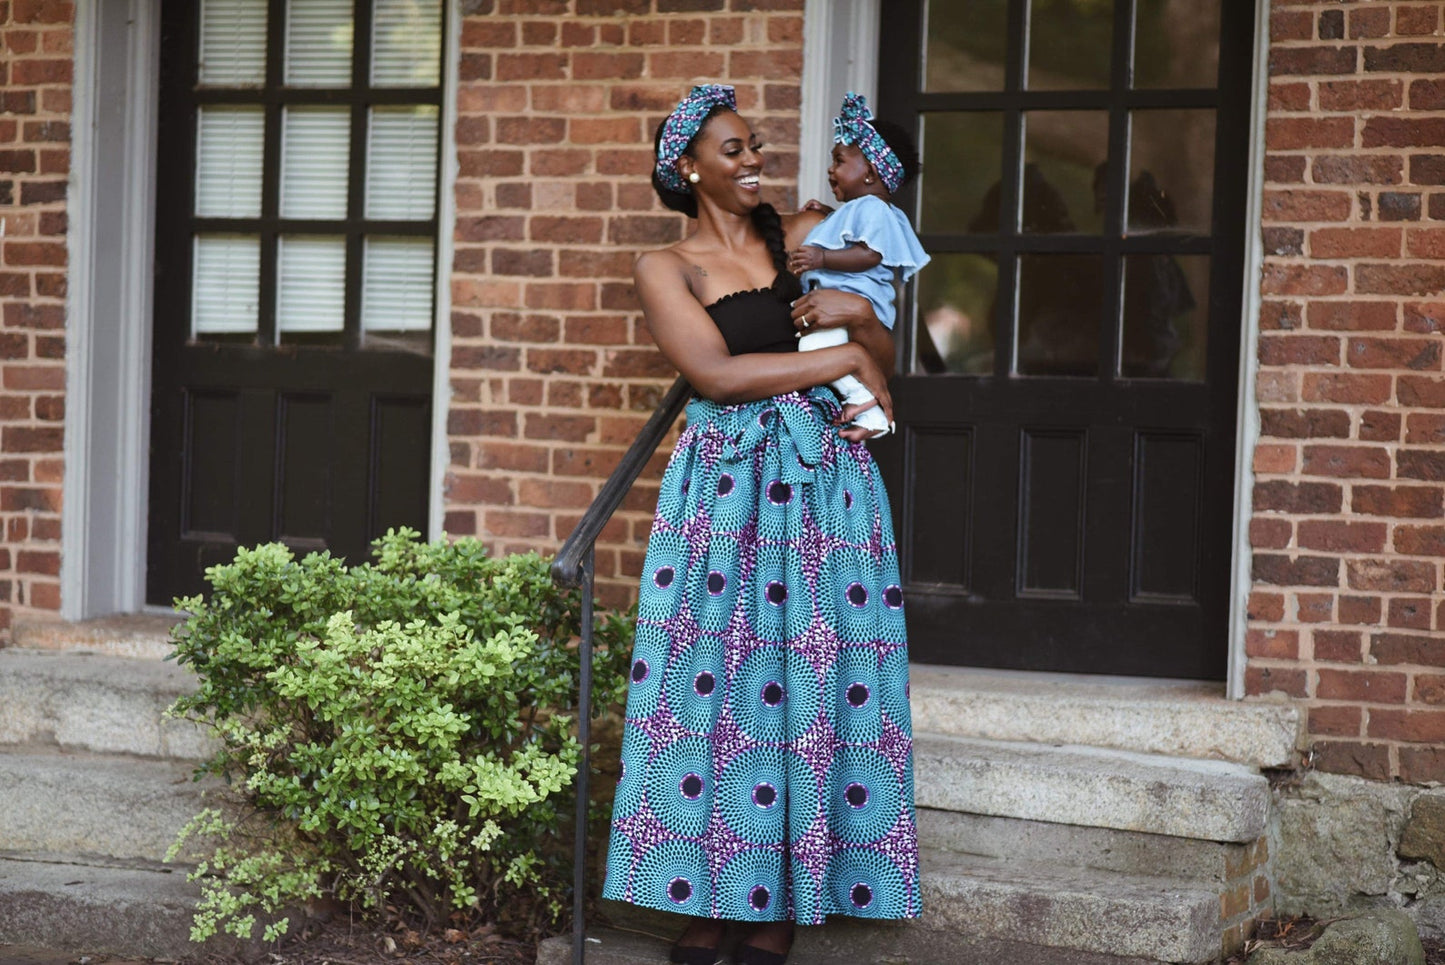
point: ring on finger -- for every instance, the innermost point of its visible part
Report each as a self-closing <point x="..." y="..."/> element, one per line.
<point x="805" y="321"/>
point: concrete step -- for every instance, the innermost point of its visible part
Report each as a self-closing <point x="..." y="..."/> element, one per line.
<point x="1206" y="863"/>
<point x="86" y="701"/>
<point x="94" y="804"/>
<point x="100" y="908"/>
<point x="135" y="635"/>
<point x="981" y="911"/>
<point x="1091" y="787"/>
<point x="1178" y="718"/>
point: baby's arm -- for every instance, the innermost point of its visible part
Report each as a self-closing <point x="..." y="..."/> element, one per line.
<point x="855" y="257"/>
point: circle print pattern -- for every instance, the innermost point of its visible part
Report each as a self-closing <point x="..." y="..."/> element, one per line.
<point x="851" y="591"/>
<point x="771" y="594"/>
<point x="866" y="884"/>
<point x="806" y="910"/>
<point x="802" y="795"/>
<point x="736" y="497"/>
<point x="673" y="876"/>
<point x="864" y="797"/>
<point x="779" y="508"/>
<point x="649" y="663"/>
<point x="893" y="687"/>
<point x="855" y="500"/>
<point x="695" y="683"/>
<point x="750" y="887"/>
<point x="713" y="587"/>
<point x="890" y="627"/>
<point x="775" y="695"/>
<point x="619" y="863"/>
<point x="636" y="750"/>
<point x="751" y="795"/>
<point x="672" y="496"/>
<point x="680" y="786"/>
<point x="662" y="572"/>
<point x="857" y="718"/>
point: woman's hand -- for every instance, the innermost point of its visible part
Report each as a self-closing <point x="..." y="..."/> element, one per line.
<point x="875" y="380"/>
<point x="804" y="259"/>
<point x="815" y="205"/>
<point x="830" y="308"/>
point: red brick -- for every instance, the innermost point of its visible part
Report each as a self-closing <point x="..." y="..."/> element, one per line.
<point x="565" y="230"/>
<point x="1426" y="243"/>
<point x="554" y="494"/>
<point x="1347" y="462"/>
<point x="559" y="162"/>
<point x="517" y="524"/>
<point x="1416" y="726"/>
<point x="1304" y="423"/>
<point x="1275" y="458"/>
<point x="1427" y="95"/>
<point x="1361" y="685"/>
<point x="1345" y="388"/>
<point x="1422" y="765"/>
<point x="1416" y="502"/>
<point x="1418" y="20"/>
<point x="1337" y="646"/>
<point x="1410" y="613"/>
<point x="1360" y="95"/>
<point x="609" y="130"/>
<point x="1411" y="58"/>
<point x="532" y="66"/>
<point x="1285" y="169"/>
<point x="1408" y="648"/>
<point x="1341" y="536"/>
<point x="1377" y="426"/>
<point x="1268" y="607"/>
<point x="590" y="65"/>
<point x="1352" y="316"/>
<point x="1371" y="761"/>
<point x="1396" y="206"/>
<point x="1391" y="576"/>
<point x="1259" y="681"/>
<point x="1297" y="498"/>
<point x="512" y="327"/>
<point x="562" y="428"/>
<point x="536" y="263"/>
<point x="1401" y="353"/>
<point x="1334" y="721"/>
<point x="1298" y="133"/>
<point x="19" y="253"/>
<point x="1425" y="428"/>
<point x="1403" y="132"/>
<point x="1314" y="607"/>
<point x="1268" y="532"/>
<point x="570" y="361"/>
<point x="1355" y="242"/>
<point x="1396" y="279"/>
<point x="1311" y="60"/>
<point x="27" y="72"/>
<point x="1281" y="570"/>
<point x="489" y="357"/>
<point x="1424" y="317"/>
<point x="1299" y="349"/>
<point x="1275" y="644"/>
<point x="1429" y="689"/>
<point x="1420" y="464"/>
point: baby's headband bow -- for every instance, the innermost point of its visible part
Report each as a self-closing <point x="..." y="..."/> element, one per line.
<point x="682" y="126"/>
<point x="854" y="125"/>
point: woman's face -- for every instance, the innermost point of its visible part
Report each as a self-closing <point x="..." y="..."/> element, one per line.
<point x="728" y="159"/>
<point x="847" y="173"/>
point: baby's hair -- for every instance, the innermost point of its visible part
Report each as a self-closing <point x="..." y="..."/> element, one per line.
<point x="901" y="142"/>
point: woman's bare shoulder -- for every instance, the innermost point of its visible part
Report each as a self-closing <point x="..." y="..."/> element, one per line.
<point x="659" y="260"/>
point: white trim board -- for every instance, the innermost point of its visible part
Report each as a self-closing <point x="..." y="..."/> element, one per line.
<point x="441" y="395"/>
<point x="840" y="54"/>
<point x="108" y="310"/>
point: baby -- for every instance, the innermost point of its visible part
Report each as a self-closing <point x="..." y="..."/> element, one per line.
<point x="867" y="243"/>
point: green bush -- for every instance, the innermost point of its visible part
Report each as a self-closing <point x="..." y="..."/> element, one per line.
<point x="396" y="734"/>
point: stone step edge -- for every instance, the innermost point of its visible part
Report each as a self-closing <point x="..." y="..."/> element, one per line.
<point x="1091" y="787"/>
<point x="1173" y="717"/>
<point x="144" y="636"/>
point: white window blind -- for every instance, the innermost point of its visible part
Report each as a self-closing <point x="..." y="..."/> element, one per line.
<point x="401" y="163"/>
<point x="318" y="43"/>
<point x="228" y="162"/>
<point x="225" y="284"/>
<point x="315" y="159"/>
<point x="406" y="43"/>
<point x="233" y="43"/>
<point x="396" y="285"/>
<point x="310" y="283"/>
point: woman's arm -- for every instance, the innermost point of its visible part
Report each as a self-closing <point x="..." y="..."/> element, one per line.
<point x="833" y="308"/>
<point x="688" y="339"/>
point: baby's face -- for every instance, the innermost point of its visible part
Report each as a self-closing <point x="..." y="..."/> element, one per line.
<point x="850" y="173"/>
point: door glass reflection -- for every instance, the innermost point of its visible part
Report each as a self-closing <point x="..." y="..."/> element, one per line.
<point x="962" y="157"/>
<point x="1166" y="317"/>
<point x="1176" y="43"/>
<point x="1065" y="153"/>
<point x="956" y="298"/>
<point x="1069" y="44"/>
<point x="1171" y="171"/>
<point x="1060" y="300"/>
<point x="965" y="45"/>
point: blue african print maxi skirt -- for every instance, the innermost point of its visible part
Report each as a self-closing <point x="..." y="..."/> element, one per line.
<point x="767" y="755"/>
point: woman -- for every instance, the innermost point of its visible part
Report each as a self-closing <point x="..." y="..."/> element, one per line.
<point x="767" y="755"/>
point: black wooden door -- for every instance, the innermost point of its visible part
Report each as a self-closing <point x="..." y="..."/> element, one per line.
<point x="1063" y="480"/>
<point x="295" y="278"/>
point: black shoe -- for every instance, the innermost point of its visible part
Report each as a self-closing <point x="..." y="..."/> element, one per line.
<point x="753" y="955"/>
<point x="693" y="955"/>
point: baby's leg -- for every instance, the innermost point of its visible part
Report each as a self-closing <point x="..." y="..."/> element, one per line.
<point x="852" y="391"/>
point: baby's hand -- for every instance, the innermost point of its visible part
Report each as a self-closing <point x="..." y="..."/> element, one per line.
<point x="815" y="205"/>
<point x="804" y="259"/>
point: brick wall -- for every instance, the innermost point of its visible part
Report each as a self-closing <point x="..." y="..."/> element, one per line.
<point x="553" y="373"/>
<point x="1349" y="502"/>
<point x="35" y="78"/>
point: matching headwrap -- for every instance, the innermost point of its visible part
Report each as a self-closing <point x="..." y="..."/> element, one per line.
<point x="681" y="127"/>
<point x="853" y="125"/>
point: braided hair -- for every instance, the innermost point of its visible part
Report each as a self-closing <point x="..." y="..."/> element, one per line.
<point x="764" y="217"/>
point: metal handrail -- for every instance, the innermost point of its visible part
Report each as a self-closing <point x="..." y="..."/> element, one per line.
<point x="575" y="565"/>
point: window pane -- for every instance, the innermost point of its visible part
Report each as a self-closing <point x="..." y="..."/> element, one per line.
<point x="1166" y="316"/>
<point x="1064" y="151"/>
<point x="233" y="43"/>
<point x="318" y="43"/>
<point x="228" y="162"/>
<point x="401" y="163"/>
<point x="310" y="284"/>
<point x="396" y="290"/>
<point x="1060" y="301"/>
<point x="1176" y="43"/>
<point x="1171" y="171"/>
<point x="406" y="43"/>
<point x="956" y="295"/>
<point x="965" y="45"/>
<point x="225" y="284"/>
<point x="962" y="162"/>
<point x="315" y="159"/>
<point x="1069" y="44"/>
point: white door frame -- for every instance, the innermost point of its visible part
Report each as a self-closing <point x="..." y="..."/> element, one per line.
<point x="840" y="44"/>
<point x="109" y="306"/>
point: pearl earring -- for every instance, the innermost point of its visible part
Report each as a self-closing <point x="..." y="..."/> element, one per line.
<point x="867" y="180"/>
<point x="694" y="177"/>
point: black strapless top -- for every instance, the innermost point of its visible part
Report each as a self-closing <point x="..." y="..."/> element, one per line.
<point x="756" y="320"/>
